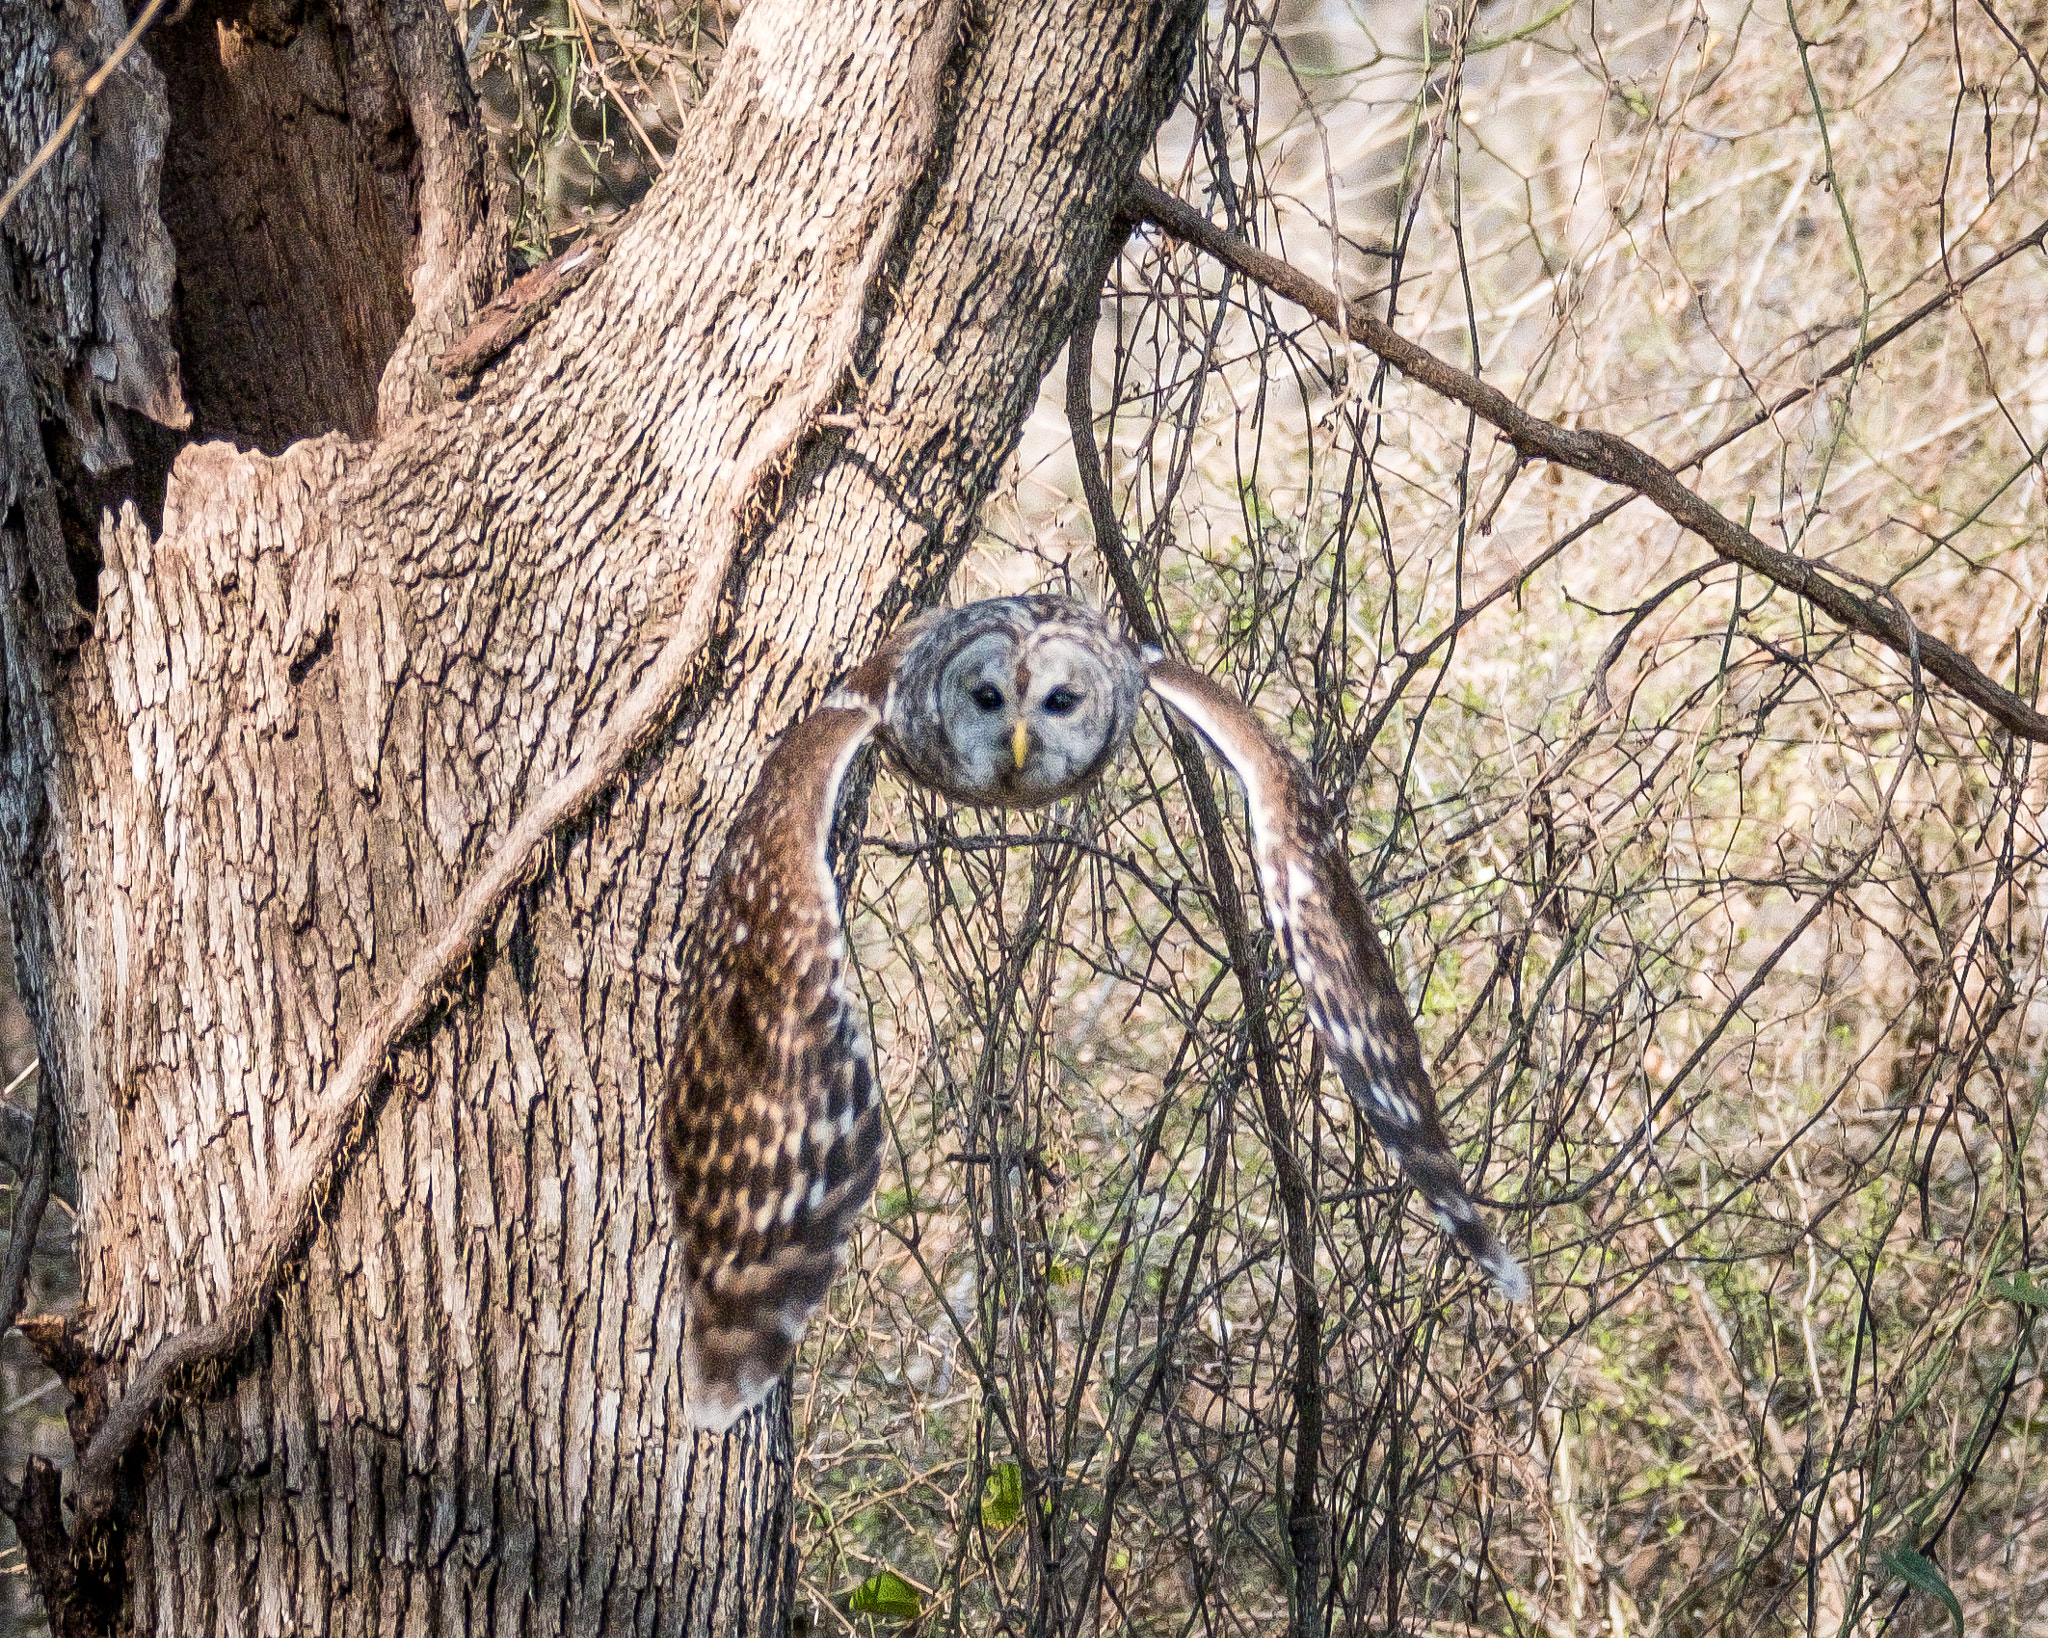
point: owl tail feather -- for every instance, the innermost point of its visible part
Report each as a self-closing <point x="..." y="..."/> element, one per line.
<point x="1484" y="1248"/>
<point x="742" y="1325"/>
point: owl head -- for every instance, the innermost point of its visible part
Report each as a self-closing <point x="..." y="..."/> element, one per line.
<point x="1013" y="702"/>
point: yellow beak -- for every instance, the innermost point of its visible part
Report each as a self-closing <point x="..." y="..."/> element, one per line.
<point x="1020" y="743"/>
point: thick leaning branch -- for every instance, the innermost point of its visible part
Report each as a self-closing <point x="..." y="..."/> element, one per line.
<point x="639" y="719"/>
<point x="1600" y="455"/>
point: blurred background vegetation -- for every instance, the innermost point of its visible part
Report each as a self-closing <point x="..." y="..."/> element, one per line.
<point x="32" y="1400"/>
<point x="584" y="101"/>
<point x="1725" y="935"/>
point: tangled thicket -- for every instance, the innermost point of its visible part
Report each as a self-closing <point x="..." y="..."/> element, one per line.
<point x="1724" y="931"/>
<point x="1725" y="936"/>
<point x="584" y="101"/>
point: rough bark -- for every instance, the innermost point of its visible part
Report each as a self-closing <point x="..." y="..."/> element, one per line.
<point x="312" y="700"/>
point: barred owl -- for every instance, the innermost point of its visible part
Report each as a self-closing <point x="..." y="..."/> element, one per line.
<point x="771" y="1124"/>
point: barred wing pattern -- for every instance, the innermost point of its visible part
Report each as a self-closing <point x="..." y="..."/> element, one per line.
<point x="1319" y="918"/>
<point x="771" y="1126"/>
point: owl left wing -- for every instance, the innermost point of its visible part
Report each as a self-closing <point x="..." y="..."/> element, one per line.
<point x="1319" y="918"/>
<point x="771" y="1124"/>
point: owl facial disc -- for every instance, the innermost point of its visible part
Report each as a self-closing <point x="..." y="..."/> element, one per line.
<point x="1014" y="703"/>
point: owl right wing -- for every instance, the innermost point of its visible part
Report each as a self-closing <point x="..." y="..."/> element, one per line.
<point x="1319" y="917"/>
<point x="771" y="1124"/>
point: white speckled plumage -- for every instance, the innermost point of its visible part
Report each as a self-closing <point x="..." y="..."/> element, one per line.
<point x="771" y="1126"/>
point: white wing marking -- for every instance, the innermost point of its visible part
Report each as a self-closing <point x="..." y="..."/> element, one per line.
<point x="1306" y="920"/>
<point x="828" y="889"/>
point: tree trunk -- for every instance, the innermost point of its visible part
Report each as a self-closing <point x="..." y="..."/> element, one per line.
<point x="261" y="728"/>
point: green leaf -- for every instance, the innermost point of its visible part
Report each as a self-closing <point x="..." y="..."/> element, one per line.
<point x="1918" y="1571"/>
<point x="886" y="1593"/>
<point x="2021" y="1287"/>
<point x="1002" y="1496"/>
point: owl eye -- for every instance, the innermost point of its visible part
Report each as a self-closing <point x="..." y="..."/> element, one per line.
<point x="1061" y="700"/>
<point x="988" y="697"/>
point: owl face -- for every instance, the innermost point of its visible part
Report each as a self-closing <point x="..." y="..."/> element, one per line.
<point x="1014" y="702"/>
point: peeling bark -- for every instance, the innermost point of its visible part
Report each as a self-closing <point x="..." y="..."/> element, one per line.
<point x="250" y="769"/>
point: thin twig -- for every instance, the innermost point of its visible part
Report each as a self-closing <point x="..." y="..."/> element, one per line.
<point x="337" y="1115"/>
<point x="1863" y="351"/>
<point x="1600" y="455"/>
<point x="76" y="112"/>
<point x="2013" y="40"/>
<point x="605" y="80"/>
<point x="1304" y="1520"/>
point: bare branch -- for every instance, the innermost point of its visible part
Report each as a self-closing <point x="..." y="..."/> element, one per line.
<point x="1598" y="454"/>
<point x="1304" y="1519"/>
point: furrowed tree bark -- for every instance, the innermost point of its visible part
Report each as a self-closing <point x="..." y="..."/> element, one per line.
<point x="264" y="722"/>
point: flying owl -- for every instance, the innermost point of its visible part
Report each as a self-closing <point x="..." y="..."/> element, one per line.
<point x="771" y="1125"/>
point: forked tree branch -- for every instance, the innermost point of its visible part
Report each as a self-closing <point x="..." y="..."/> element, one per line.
<point x="272" y="1251"/>
<point x="1614" y="459"/>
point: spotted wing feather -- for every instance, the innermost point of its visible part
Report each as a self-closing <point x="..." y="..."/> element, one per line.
<point x="1319" y="918"/>
<point x="771" y="1126"/>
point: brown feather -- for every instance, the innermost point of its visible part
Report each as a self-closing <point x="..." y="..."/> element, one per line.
<point x="1319" y="917"/>
<point x="771" y="1127"/>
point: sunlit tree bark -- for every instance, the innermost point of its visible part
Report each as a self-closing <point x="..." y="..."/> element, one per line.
<point x="294" y="632"/>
